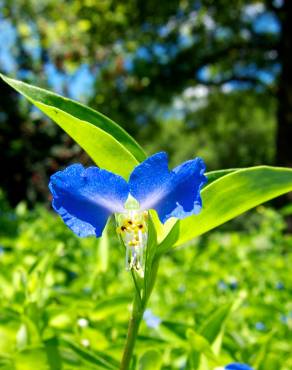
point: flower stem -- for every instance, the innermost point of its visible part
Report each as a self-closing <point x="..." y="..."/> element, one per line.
<point x="139" y="305"/>
<point x="134" y="323"/>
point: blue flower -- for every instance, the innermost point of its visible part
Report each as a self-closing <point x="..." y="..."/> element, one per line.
<point x="151" y="320"/>
<point x="260" y="326"/>
<point x="85" y="198"/>
<point x="237" y="366"/>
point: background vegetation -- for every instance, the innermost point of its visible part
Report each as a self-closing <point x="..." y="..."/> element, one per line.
<point x="207" y="78"/>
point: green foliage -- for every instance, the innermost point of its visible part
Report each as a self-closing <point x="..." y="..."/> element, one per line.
<point x="62" y="305"/>
<point x="226" y="129"/>
<point x="228" y="194"/>
<point x="61" y="310"/>
<point x="150" y="360"/>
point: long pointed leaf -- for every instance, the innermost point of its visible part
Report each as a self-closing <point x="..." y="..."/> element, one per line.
<point x="234" y="194"/>
<point x="103" y="140"/>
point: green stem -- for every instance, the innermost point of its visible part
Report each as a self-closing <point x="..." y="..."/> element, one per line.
<point x="143" y="291"/>
<point x="138" y="309"/>
<point x="134" y="323"/>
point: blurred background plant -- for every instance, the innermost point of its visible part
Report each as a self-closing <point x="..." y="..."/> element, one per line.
<point x="65" y="301"/>
<point x="207" y="78"/>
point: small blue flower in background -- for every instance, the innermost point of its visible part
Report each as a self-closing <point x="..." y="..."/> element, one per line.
<point x="222" y="285"/>
<point x="284" y="319"/>
<point x="235" y="366"/>
<point x="233" y="284"/>
<point x="85" y="198"/>
<point x="280" y="285"/>
<point x="260" y="326"/>
<point x="151" y="320"/>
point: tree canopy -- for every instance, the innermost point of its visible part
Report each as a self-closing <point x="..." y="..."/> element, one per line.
<point x="191" y="77"/>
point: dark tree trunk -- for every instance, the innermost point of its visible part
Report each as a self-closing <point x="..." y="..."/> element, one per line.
<point x="284" y="116"/>
<point x="13" y="176"/>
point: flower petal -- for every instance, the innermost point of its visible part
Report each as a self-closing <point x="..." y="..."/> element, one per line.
<point x="171" y="193"/>
<point x="85" y="198"/>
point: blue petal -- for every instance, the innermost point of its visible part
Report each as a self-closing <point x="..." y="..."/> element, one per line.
<point x="171" y="193"/>
<point x="85" y="198"/>
<point x="236" y="366"/>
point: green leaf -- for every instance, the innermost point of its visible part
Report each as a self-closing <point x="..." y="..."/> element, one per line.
<point x="6" y="363"/>
<point x="31" y="359"/>
<point x="150" y="260"/>
<point x="150" y="360"/>
<point x="103" y="251"/>
<point x="172" y="334"/>
<point x="53" y="354"/>
<point x="103" y="140"/>
<point x="260" y="360"/>
<point x="213" y="325"/>
<point x="233" y="194"/>
<point x="97" y="358"/>
<point x="22" y="337"/>
<point x="205" y="340"/>
<point x="214" y="175"/>
<point x="110" y="306"/>
<point x="169" y="240"/>
<point x="199" y="344"/>
<point x="179" y="328"/>
<point x="271" y="362"/>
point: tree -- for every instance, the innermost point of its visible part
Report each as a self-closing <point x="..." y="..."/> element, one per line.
<point x="284" y="94"/>
<point x="246" y="45"/>
<point x="142" y="58"/>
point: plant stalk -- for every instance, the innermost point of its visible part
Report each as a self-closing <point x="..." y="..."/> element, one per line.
<point x="143" y="291"/>
<point x="138" y="309"/>
<point x="133" y="328"/>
